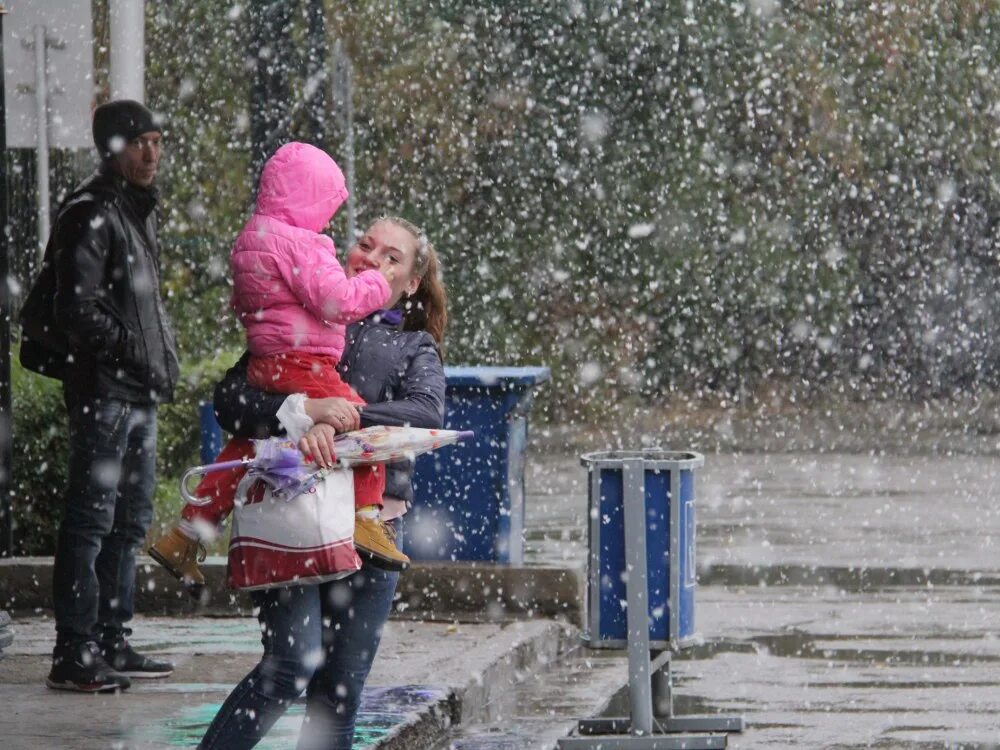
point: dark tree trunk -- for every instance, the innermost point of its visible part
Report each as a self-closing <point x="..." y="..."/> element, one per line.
<point x="270" y="92"/>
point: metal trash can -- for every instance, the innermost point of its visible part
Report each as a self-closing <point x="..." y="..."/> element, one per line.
<point x="640" y="596"/>
<point x="469" y="499"/>
<point x="630" y="491"/>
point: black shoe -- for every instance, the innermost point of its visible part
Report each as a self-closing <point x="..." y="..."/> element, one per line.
<point x="127" y="661"/>
<point x="80" y="667"/>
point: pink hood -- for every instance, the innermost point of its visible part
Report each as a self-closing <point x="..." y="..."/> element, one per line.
<point x="301" y="186"/>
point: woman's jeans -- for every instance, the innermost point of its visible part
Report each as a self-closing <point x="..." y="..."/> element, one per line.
<point x="109" y="506"/>
<point x="321" y="639"/>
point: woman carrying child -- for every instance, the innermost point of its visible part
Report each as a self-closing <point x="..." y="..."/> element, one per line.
<point x="294" y="300"/>
<point x="324" y="637"/>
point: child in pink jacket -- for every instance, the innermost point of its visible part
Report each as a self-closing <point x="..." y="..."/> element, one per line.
<point x="289" y="291"/>
<point x="294" y="300"/>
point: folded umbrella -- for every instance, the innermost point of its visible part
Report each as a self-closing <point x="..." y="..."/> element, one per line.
<point x="381" y="444"/>
<point x="280" y="464"/>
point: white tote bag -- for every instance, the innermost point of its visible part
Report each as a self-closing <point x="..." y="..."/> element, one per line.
<point x="307" y="539"/>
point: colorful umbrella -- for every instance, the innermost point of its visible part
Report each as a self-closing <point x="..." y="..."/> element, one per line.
<point x="280" y="464"/>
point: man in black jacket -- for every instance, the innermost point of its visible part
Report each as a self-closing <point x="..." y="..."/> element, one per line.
<point x="120" y="361"/>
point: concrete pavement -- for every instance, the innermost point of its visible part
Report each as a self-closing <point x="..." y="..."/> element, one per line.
<point x="845" y="601"/>
<point x="427" y="676"/>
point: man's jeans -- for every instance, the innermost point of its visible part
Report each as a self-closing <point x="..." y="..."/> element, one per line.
<point x="321" y="639"/>
<point x="109" y="506"/>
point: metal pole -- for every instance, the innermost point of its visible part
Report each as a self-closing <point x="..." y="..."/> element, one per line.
<point x="594" y="561"/>
<point x="352" y="222"/>
<point x="663" y="699"/>
<point x="271" y="47"/>
<point x="674" y="586"/>
<point x="637" y="596"/>
<point x="316" y="70"/>
<point x="6" y="413"/>
<point x="128" y="49"/>
<point x="343" y="102"/>
<point x="42" y="140"/>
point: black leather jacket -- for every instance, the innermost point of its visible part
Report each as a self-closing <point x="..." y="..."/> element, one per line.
<point x="107" y="301"/>
<point x="398" y="373"/>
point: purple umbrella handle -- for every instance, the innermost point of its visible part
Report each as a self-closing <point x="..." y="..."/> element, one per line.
<point x="466" y="435"/>
<point x="198" y="471"/>
<point x="210" y="468"/>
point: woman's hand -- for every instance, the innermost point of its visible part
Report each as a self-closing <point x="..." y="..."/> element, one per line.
<point x="337" y="412"/>
<point x="318" y="445"/>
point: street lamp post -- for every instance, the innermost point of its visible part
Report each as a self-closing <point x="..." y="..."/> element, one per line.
<point x="128" y="49"/>
<point x="6" y="415"/>
<point x="343" y="108"/>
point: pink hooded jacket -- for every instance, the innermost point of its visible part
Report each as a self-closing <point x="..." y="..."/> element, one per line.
<point x="289" y="291"/>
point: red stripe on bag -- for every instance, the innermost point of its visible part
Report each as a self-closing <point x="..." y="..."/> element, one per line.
<point x="258" y="567"/>
<point x="278" y="547"/>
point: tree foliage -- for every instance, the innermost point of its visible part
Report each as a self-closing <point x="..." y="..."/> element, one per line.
<point x="650" y="197"/>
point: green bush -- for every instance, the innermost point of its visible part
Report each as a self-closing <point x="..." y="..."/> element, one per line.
<point x="40" y="448"/>
<point x="179" y="439"/>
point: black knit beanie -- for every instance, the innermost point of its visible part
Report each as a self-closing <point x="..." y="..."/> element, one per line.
<point x="125" y="119"/>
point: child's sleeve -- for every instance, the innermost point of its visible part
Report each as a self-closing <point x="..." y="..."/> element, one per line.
<point x="318" y="281"/>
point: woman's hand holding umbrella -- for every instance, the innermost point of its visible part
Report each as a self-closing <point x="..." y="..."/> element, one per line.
<point x="318" y="445"/>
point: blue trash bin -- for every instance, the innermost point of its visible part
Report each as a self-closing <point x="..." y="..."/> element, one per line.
<point x="211" y="433"/>
<point x="657" y="486"/>
<point x="469" y="498"/>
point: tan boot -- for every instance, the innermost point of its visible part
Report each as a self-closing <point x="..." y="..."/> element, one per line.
<point x="180" y="556"/>
<point x="376" y="541"/>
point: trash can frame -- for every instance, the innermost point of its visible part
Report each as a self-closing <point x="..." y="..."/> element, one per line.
<point x="634" y="466"/>
<point x="652" y="724"/>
